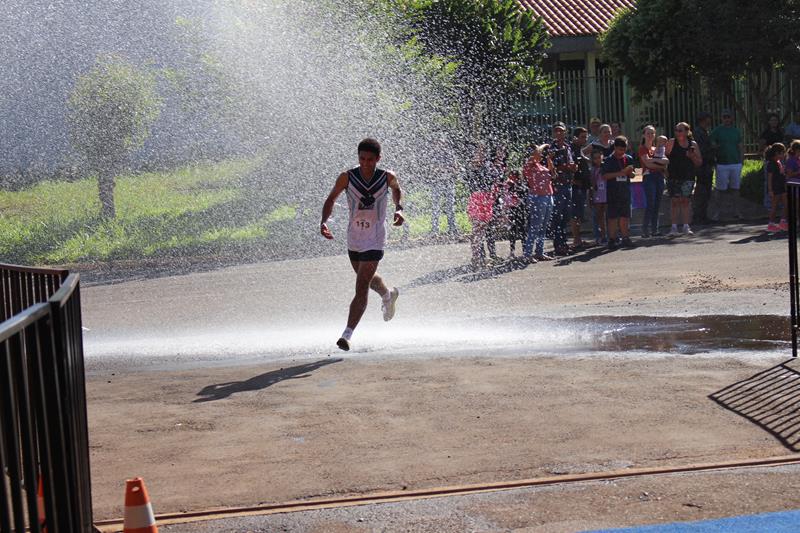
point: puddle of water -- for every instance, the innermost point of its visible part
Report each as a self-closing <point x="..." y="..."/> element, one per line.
<point x="691" y="335"/>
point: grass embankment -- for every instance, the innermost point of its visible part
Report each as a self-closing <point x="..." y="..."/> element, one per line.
<point x="202" y="209"/>
<point x="190" y="210"/>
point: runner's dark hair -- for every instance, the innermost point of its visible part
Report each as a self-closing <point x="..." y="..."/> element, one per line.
<point x="370" y="145"/>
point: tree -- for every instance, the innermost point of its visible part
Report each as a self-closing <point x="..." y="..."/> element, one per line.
<point x="721" y="41"/>
<point x="210" y="93"/>
<point x="498" y="46"/>
<point x="111" y="110"/>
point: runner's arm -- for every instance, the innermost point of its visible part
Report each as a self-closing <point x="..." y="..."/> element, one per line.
<point x="397" y="198"/>
<point x="327" y="207"/>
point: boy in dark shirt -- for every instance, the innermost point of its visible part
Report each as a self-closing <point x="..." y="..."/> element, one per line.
<point x="617" y="171"/>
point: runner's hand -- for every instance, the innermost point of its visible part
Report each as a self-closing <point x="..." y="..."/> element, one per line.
<point x="323" y="229"/>
<point x="399" y="218"/>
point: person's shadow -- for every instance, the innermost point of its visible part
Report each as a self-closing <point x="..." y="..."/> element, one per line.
<point x="220" y="391"/>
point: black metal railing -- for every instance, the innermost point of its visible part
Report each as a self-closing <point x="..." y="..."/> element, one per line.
<point x="44" y="445"/>
<point x="793" y="205"/>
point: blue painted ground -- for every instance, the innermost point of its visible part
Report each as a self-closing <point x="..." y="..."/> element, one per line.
<point x="783" y="522"/>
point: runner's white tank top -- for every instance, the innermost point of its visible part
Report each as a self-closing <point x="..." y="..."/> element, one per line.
<point x="367" y="201"/>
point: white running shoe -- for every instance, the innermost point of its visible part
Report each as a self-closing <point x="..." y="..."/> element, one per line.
<point x="388" y="306"/>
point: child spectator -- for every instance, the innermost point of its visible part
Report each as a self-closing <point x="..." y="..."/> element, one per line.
<point x="540" y="203"/>
<point x="480" y="205"/>
<point x="660" y="155"/>
<point x="597" y="195"/>
<point x="617" y="171"/>
<point x="512" y="197"/>
<point x="776" y="185"/>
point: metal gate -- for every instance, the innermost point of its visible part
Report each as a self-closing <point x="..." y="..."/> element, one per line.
<point x="44" y="446"/>
<point x="793" y="189"/>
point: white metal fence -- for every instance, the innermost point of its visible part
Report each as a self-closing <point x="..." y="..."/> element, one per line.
<point x="577" y="97"/>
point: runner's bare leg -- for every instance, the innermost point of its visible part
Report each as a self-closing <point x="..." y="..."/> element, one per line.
<point x="366" y="278"/>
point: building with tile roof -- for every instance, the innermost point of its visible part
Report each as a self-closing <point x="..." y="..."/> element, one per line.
<point x="573" y="25"/>
<point x="585" y="87"/>
<point x="569" y="18"/>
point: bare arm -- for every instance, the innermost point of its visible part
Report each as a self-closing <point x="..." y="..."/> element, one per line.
<point x="327" y="207"/>
<point x="648" y="163"/>
<point x="670" y="145"/>
<point x="397" y="198"/>
<point x="694" y="154"/>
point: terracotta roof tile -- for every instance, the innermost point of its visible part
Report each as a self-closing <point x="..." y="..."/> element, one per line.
<point x="565" y="18"/>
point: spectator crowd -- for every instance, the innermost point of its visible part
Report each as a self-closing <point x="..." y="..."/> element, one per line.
<point x="585" y="177"/>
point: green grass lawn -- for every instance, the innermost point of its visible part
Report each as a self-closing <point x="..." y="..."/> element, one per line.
<point x="189" y="209"/>
<point x="753" y="180"/>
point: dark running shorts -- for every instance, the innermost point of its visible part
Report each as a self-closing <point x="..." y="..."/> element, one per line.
<point x="680" y="188"/>
<point x="369" y="255"/>
<point x="617" y="209"/>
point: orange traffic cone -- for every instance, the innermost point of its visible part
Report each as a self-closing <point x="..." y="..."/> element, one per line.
<point x="40" y="505"/>
<point x="138" y="511"/>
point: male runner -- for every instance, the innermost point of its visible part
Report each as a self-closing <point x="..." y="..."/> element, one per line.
<point x="367" y="190"/>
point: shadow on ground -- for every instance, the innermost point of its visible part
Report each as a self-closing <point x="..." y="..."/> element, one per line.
<point x="221" y="391"/>
<point x="769" y="399"/>
<point x="299" y="240"/>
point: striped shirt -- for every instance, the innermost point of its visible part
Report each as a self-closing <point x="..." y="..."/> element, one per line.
<point x="367" y="200"/>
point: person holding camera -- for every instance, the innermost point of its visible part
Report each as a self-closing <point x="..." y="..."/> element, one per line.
<point x="684" y="159"/>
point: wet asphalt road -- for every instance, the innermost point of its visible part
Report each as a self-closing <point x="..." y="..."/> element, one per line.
<point x="297" y="308"/>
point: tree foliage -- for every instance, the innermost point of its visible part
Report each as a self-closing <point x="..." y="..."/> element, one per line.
<point x="722" y="41"/>
<point x="209" y="92"/>
<point x="111" y="110"/>
<point x="498" y="47"/>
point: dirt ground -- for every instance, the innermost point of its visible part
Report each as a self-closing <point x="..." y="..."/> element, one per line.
<point x="277" y="429"/>
<point x="248" y="435"/>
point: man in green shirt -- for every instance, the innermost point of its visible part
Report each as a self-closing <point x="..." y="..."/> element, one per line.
<point x="726" y="140"/>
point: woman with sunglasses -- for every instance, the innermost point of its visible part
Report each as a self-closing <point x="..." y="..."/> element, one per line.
<point x="684" y="159"/>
